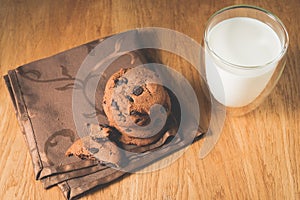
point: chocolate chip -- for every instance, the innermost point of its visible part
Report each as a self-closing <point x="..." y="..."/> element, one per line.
<point x="134" y="112"/>
<point x="114" y="104"/>
<point x="129" y="98"/>
<point x="137" y="90"/>
<point x="142" y="121"/>
<point x="124" y="80"/>
<point x="120" y="81"/>
<point x="98" y="139"/>
<point x="138" y="120"/>
<point x="93" y="150"/>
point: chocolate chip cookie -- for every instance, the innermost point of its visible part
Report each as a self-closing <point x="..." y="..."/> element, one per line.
<point x="137" y="105"/>
<point x="97" y="146"/>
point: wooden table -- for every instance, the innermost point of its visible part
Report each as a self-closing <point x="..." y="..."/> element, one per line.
<point x="257" y="156"/>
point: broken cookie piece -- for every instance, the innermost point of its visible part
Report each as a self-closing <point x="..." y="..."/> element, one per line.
<point x="97" y="146"/>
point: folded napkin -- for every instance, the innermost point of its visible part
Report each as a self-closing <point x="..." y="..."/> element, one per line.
<point x="41" y="93"/>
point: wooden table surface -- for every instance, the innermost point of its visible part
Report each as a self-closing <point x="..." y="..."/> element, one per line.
<point x="257" y="156"/>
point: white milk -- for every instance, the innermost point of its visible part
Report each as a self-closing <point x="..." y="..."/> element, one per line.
<point x="246" y="42"/>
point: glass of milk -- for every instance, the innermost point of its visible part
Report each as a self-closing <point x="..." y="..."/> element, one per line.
<point x="245" y="54"/>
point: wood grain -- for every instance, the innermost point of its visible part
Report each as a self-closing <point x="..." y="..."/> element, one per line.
<point x="257" y="156"/>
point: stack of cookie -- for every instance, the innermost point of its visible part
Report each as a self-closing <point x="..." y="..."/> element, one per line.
<point x="131" y="97"/>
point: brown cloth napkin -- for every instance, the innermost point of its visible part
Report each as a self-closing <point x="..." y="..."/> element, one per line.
<point x="41" y="93"/>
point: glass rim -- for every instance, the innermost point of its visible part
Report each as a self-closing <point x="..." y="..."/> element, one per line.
<point x="266" y="12"/>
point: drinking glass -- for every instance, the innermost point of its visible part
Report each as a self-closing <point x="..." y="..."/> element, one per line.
<point x="245" y="54"/>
